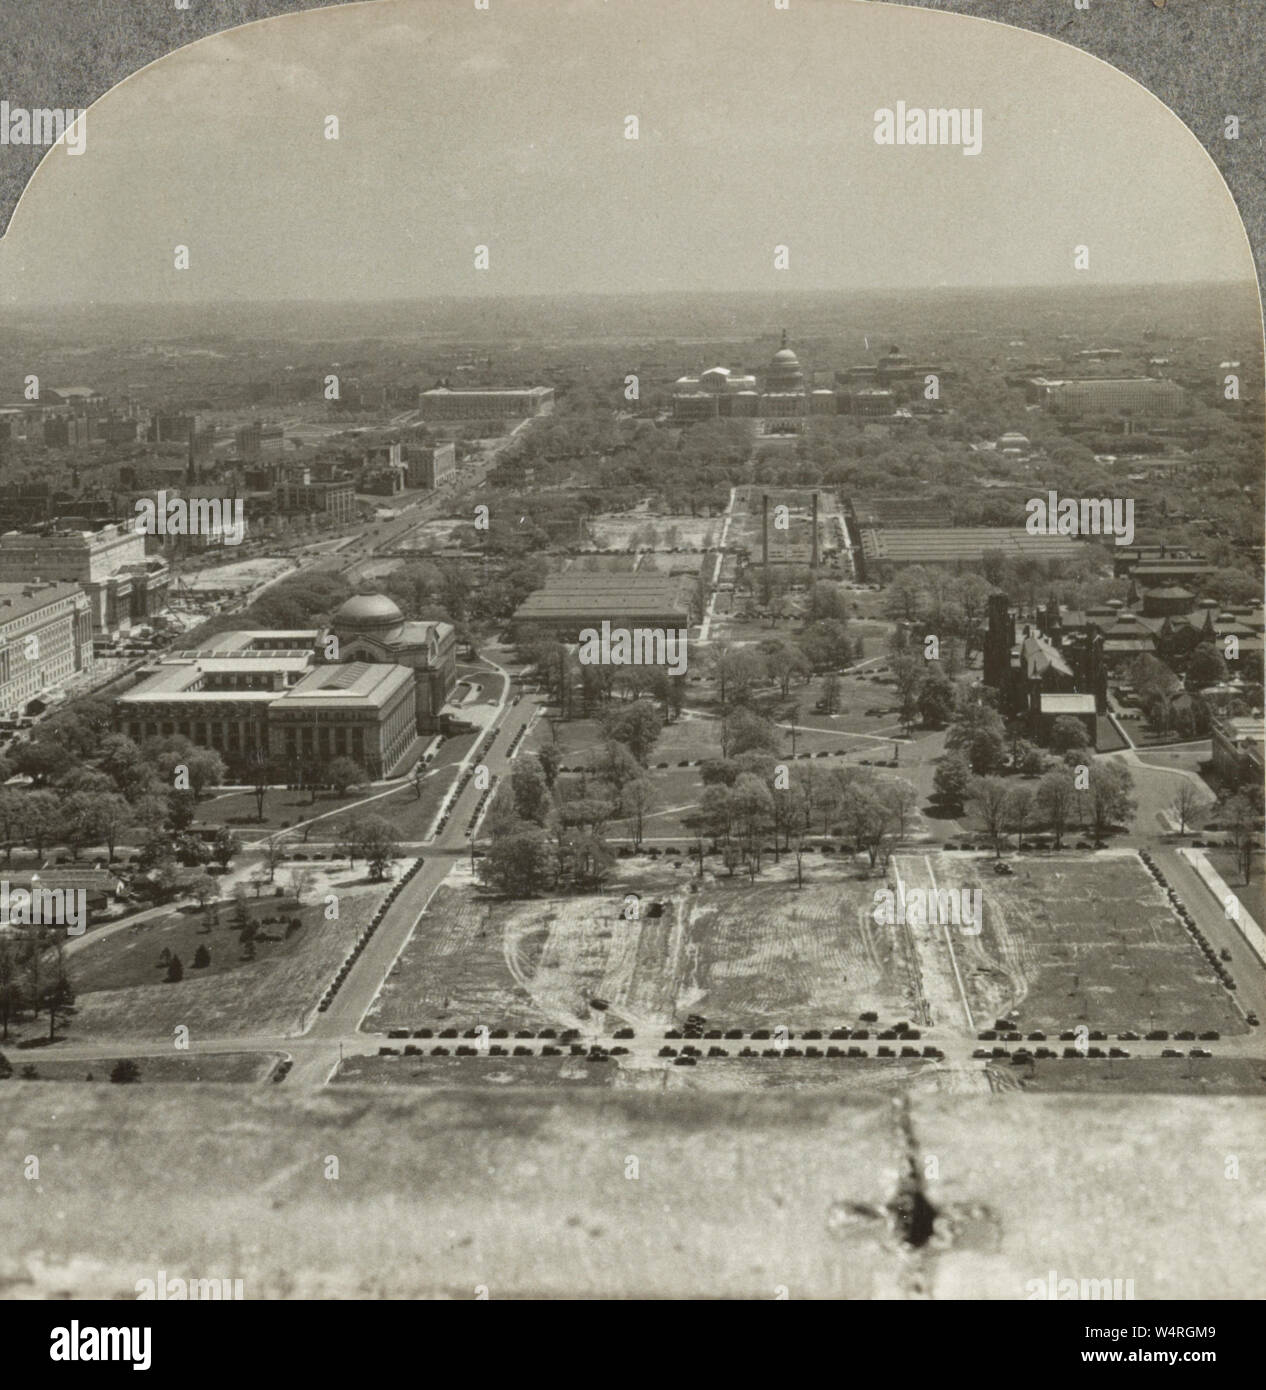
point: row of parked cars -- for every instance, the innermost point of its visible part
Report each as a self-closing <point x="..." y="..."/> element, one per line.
<point x="566" y="1035"/>
<point x="595" y="1052"/>
<point x="696" y="1026"/>
<point x="1022" y="1054"/>
<point x="1217" y="959"/>
<point x="363" y="940"/>
<point x="1098" y="1035"/>
<point x="692" y="1052"/>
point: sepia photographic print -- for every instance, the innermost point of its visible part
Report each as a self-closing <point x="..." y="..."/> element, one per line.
<point x="631" y="667"/>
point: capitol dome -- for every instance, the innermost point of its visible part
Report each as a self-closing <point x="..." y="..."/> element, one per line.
<point x="368" y="613"/>
<point x="784" y="373"/>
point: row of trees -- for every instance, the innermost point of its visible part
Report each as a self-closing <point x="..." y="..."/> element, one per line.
<point x="1098" y="798"/>
<point x="30" y="981"/>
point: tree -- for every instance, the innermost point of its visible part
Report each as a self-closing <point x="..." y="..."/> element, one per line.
<point x="122" y="760"/>
<point x="902" y="798"/>
<point x="260" y="776"/>
<point x="1186" y="803"/>
<point x="531" y="795"/>
<point x="59" y="995"/>
<point x="205" y="890"/>
<point x="1055" y="797"/>
<point x="827" y="599"/>
<point x="1028" y="759"/>
<point x="753" y="810"/>
<point x="175" y="971"/>
<point x="588" y="859"/>
<point x="909" y="673"/>
<point x="614" y="764"/>
<point x="785" y="661"/>
<point x="206" y="769"/>
<point x="182" y="807"/>
<point x="907" y="595"/>
<point x="44" y="819"/>
<point x="987" y="753"/>
<point x="201" y="957"/>
<point x="1240" y="817"/>
<point x="1019" y="812"/>
<point x="936" y="701"/>
<point x="636" y="799"/>
<point x="637" y="726"/>
<point x="989" y="798"/>
<point x="869" y="818"/>
<point x="12" y="819"/>
<point x="826" y="644"/>
<point x="378" y="847"/>
<point x="520" y="864"/>
<point x="745" y="732"/>
<point x="42" y="760"/>
<point x="343" y="774"/>
<point x="165" y="880"/>
<point x="125" y="1071"/>
<point x="275" y="848"/>
<point x="830" y="693"/>
<point x="1108" y="798"/>
<point x="951" y="780"/>
<point x="226" y="845"/>
<point x="1206" y="666"/>
<point x="549" y="761"/>
<point x="10" y="990"/>
<point x="301" y="881"/>
<point x="737" y="671"/>
<point x="716" y="812"/>
<point x="1068" y="734"/>
<point x="95" y="816"/>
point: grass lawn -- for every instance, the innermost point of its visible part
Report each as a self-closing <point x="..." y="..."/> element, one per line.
<point x="210" y="1066"/>
<point x="283" y="809"/>
<point x="121" y="991"/>
<point x="1253" y="894"/>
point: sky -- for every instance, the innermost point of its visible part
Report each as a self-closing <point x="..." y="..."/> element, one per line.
<point x="506" y="128"/>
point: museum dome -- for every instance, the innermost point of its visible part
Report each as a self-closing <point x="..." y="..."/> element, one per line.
<point x="368" y="613"/>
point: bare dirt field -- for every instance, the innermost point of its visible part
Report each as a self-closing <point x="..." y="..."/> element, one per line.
<point x="1214" y="1076"/>
<point x="240" y="574"/>
<point x="464" y="1073"/>
<point x="879" y="1076"/>
<point x="742" y="955"/>
<point x="1082" y="940"/>
<point x="654" y="532"/>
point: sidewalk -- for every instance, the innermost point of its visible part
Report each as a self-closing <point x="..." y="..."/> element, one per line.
<point x="1217" y="885"/>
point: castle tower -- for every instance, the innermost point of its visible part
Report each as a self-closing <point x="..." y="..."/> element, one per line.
<point x="999" y="639"/>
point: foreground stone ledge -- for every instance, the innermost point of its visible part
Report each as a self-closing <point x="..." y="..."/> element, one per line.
<point x="525" y="1193"/>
